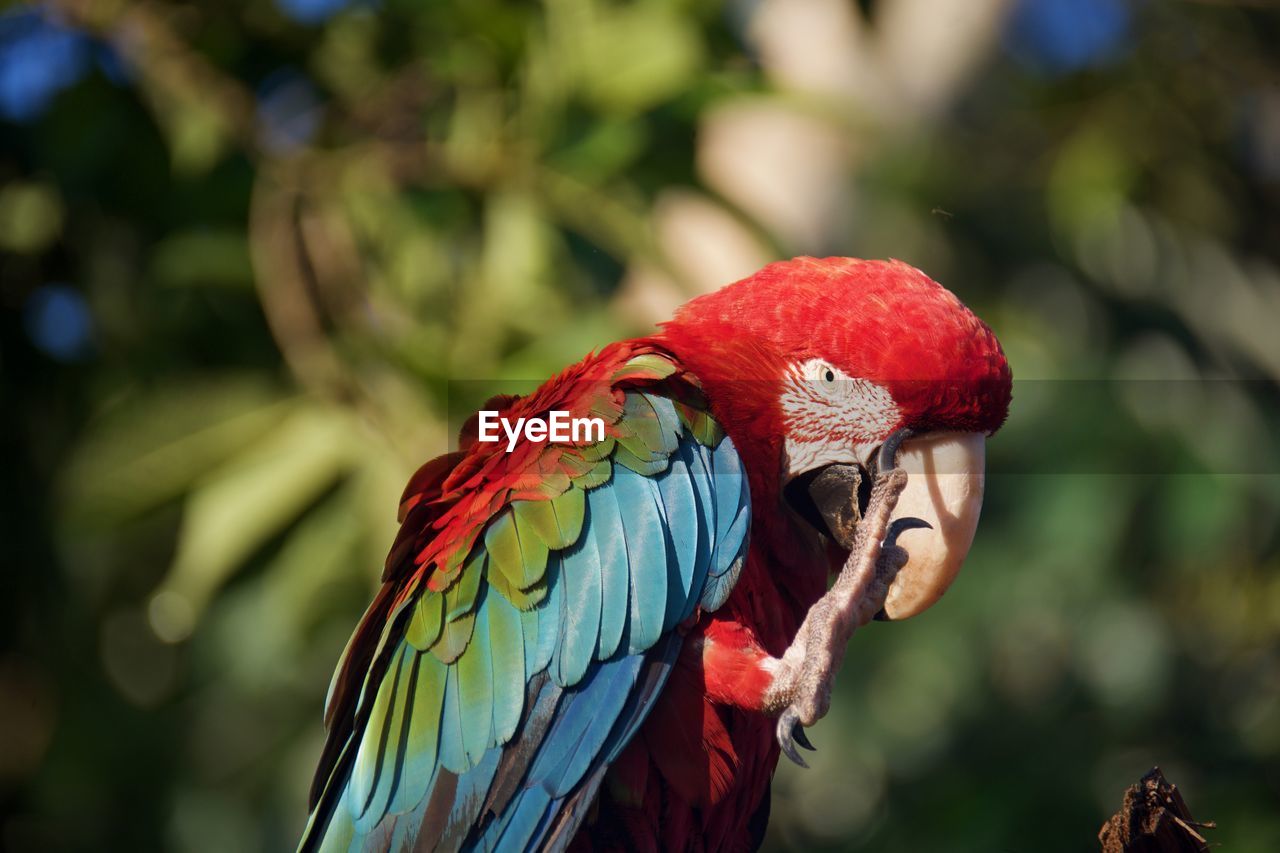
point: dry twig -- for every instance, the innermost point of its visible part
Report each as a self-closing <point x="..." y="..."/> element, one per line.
<point x="1153" y="819"/>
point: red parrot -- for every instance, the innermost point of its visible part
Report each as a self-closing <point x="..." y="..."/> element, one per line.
<point x="607" y="641"/>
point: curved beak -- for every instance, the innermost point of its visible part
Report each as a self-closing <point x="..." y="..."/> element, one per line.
<point x="945" y="480"/>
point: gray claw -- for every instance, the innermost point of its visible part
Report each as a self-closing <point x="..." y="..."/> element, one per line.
<point x="901" y="525"/>
<point x="788" y="723"/>
<point x="802" y="739"/>
<point x="888" y="458"/>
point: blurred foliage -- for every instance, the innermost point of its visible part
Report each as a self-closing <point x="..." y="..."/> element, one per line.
<point x="256" y="258"/>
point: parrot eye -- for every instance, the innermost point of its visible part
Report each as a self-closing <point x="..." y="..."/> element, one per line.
<point x="826" y="376"/>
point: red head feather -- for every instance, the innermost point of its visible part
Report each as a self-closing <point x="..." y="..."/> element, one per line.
<point x="883" y="321"/>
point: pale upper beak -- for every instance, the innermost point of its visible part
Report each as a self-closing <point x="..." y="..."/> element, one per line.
<point x="945" y="480"/>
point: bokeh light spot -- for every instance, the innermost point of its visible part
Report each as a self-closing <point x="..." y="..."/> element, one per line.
<point x="171" y="616"/>
<point x="311" y="11"/>
<point x="1066" y="35"/>
<point x="31" y="216"/>
<point x="288" y="110"/>
<point x="39" y="57"/>
<point x="58" y="322"/>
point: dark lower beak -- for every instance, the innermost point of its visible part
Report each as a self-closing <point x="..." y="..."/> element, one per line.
<point x="831" y="499"/>
<point x="836" y="493"/>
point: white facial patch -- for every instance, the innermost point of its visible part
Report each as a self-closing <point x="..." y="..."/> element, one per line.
<point x="829" y="416"/>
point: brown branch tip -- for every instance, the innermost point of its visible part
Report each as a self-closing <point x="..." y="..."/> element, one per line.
<point x="1153" y="819"/>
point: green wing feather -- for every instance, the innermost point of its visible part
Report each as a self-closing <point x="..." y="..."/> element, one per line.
<point x="531" y="595"/>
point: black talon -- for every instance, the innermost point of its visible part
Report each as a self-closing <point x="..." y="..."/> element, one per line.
<point x="888" y="458"/>
<point x="790" y="752"/>
<point x="802" y="739"/>
<point x="788" y="723"/>
<point x="900" y="525"/>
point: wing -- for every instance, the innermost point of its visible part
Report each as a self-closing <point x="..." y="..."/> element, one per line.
<point x="509" y="658"/>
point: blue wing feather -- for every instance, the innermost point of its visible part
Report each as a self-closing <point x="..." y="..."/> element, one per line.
<point x="580" y="631"/>
<point x="728" y="478"/>
<point x="603" y="527"/>
<point x="680" y="512"/>
<point x="372" y="777"/>
<point x="473" y="787"/>
<point x="581" y="729"/>
<point x="550" y="615"/>
<point x="508" y="668"/>
<point x="703" y="514"/>
<point x="475" y="689"/>
<point x="732" y="525"/>
<point x="669" y="421"/>
<point x="453" y="755"/>
<point x="419" y="767"/>
<point x="505" y="747"/>
<point x="529" y="630"/>
<point x="645" y="540"/>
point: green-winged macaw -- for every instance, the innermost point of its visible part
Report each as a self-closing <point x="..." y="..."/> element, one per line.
<point x="608" y="642"/>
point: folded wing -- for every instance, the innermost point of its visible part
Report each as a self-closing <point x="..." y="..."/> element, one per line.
<point x="485" y="693"/>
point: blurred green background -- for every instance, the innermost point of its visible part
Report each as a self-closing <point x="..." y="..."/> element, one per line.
<point x="254" y="254"/>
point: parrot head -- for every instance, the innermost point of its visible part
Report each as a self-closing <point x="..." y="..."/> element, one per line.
<point x="811" y="364"/>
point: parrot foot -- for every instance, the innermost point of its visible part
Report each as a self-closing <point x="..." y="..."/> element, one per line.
<point x="801" y="689"/>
